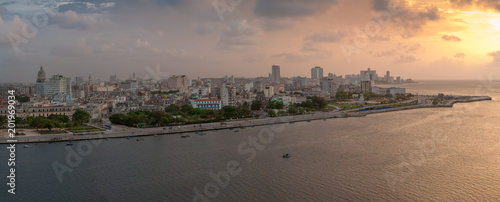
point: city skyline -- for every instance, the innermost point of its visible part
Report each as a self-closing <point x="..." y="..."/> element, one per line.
<point x="422" y="40"/>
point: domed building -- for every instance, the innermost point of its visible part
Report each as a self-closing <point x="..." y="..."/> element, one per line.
<point x="40" y="83"/>
<point x="41" y="76"/>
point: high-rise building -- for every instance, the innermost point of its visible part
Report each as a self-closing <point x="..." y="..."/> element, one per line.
<point x="317" y="73"/>
<point x="78" y="80"/>
<point x="328" y="86"/>
<point x="57" y="84"/>
<point x="366" y="86"/>
<point x="112" y="79"/>
<point x="40" y="80"/>
<point x="368" y="75"/>
<point x="388" y="77"/>
<point x="276" y="77"/>
<point x="178" y="82"/>
<point x="224" y="95"/>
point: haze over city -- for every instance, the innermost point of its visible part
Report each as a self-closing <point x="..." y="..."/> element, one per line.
<point x="453" y="39"/>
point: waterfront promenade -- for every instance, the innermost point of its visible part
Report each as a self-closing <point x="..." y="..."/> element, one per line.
<point x="120" y="131"/>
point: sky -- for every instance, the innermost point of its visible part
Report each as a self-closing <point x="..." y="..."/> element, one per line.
<point x="427" y="39"/>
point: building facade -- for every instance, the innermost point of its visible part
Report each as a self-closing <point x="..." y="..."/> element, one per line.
<point x="317" y="73"/>
<point x="212" y="104"/>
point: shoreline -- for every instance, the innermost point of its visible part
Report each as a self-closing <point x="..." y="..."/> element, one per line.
<point x="179" y="130"/>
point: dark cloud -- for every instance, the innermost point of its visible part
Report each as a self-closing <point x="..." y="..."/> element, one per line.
<point x="486" y="4"/>
<point x="461" y="2"/>
<point x="459" y="55"/>
<point x="411" y="20"/>
<point x="87" y="6"/>
<point x="405" y="59"/>
<point x="451" y="38"/>
<point x="291" y="8"/>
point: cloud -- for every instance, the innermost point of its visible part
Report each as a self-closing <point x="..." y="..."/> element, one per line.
<point x="408" y="18"/>
<point x="72" y="50"/>
<point x="291" y="8"/>
<point x="237" y="35"/>
<point x="207" y="28"/>
<point x="384" y="53"/>
<point x="11" y="28"/>
<point x="85" y="6"/>
<point x="451" y="38"/>
<point x="459" y="55"/>
<point x="72" y="20"/>
<point x="496" y="59"/>
<point x="409" y="48"/>
<point x="446" y="62"/>
<point x="277" y="25"/>
<point x="405" y="59"/>
<point x="142" y="43"/>
<point x="485" y="4"/>
<point x="3" y="10"/>
<point x="327" y="36"/>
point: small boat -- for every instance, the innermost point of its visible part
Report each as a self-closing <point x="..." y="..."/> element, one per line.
<point x="185" y="136"/>
<point x="107" y="139"/>
<point x="69" y="144"/>
<point x="287" y="155"/>
<point x="27" y="146"/>
<point x="139" y="139"/>
<point x="128" y="138"/>
<point x="214" y="130"/>
<point x="155" y="135"/>
<point x="202" y="133"/>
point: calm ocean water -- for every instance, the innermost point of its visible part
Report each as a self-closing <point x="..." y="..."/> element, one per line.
<point x="444" y="154"/>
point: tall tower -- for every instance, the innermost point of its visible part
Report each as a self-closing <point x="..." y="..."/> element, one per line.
<point x="41" y="76"/>
<point x="40" y="83"/>
<point x="317" y="73"/>
<point x="90" y="81"/>
<point x="276" y="77"/>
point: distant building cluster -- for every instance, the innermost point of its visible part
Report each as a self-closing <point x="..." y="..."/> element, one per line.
<point x="62" y="95"/>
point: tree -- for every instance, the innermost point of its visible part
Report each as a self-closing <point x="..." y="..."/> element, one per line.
<point x="229" y="112"/>
<point x="48" y="124"/>
<point x="256" y="104"/>
<point x="59" y="120"/>
<point x="118" y="118"/>
<point x="292" y="110"/>
<point x="80" y="117"/>
<point x="156" y="117"/>
<point x="172" y="108"/>
<point x="281" y="113"/>
<point x="3" y="120"/>
<point x="38" y="122"/>
<point x="279" y="105"/>
<point x="319" y="103"/>
<point x="186" y="109"/>
<point x="343" y="95"/>
<point x="271" y="113"/>
<point x="97" y="121"/>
